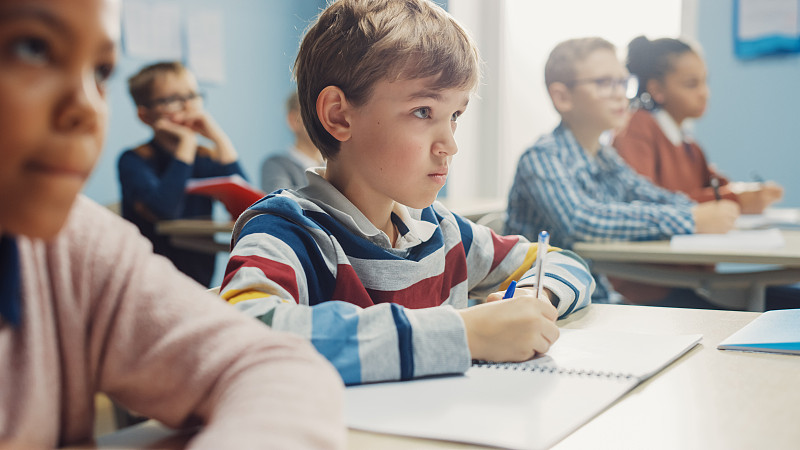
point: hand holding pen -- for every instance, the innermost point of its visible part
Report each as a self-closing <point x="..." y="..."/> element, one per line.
<point x="715" y="185"/>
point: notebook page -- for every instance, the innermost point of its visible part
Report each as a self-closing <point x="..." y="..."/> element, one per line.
<point x="736" y="239"/>
<point x="511" y="409"/>
<point x="612" y="352"/>
<point x="502" y="405"/>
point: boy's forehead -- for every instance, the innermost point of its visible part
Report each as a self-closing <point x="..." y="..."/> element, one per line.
<point x="598" y="63"/>
<point x="419" y="88"/>
<point x="174" y="81"/>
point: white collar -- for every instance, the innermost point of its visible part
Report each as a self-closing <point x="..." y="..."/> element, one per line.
<point x="675" y="133"/>
<point x="333" y="202"/>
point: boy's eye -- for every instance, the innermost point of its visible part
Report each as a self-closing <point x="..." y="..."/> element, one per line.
<point x="422" y="113"/>
<point x="31" y="50"/>
<point x="455" y="116"/>
<point x="605" y="83"/>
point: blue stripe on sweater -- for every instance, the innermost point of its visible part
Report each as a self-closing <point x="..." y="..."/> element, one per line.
<point x="355" y="246"/>
<point x="404" y="341"/>
<point x="334" y="334"/>
<point x="581" y="274"/>
<point x="574" y="290"/>
<point x="321" y="283"/>
<point x="466" y="232"/>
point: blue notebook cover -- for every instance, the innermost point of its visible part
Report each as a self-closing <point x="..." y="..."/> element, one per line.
<point x="774" y="332"/>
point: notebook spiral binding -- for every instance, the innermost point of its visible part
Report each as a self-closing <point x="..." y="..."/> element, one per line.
<point x="550" y="370"/>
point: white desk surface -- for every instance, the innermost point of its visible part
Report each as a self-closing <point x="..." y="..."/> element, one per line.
<point x="707" y="399"/>
<point x="659" y="252"/>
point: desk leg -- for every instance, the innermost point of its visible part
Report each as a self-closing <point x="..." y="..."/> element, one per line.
<point x="757" y="301"/>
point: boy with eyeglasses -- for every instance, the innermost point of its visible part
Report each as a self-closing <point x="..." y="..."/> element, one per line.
<point x="577" y="187"/>
<point x="153" y="175"/>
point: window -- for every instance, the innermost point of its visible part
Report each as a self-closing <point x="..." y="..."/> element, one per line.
<point x="513" y="109"/>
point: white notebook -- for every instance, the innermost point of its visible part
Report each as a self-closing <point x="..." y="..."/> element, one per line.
<point x="527" y="405"/>
<point x="736" y="239"/>
<point x="775" y="331"/>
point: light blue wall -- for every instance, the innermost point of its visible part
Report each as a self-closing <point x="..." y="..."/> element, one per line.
<point x="752" y="122"/>
<point x="261" y="38"/>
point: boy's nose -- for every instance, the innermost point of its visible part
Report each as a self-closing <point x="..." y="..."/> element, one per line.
<point x="82" y="105"/>
<point x="446" y="144"/>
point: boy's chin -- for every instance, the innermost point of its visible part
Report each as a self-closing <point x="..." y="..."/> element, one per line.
<point x="421" y="203"/>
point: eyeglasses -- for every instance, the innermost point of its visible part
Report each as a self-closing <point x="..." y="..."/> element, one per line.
<point x="173" y="103"/>
<point x="606" y="86"/>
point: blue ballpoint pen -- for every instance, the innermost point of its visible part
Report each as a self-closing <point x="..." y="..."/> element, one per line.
<point x="544" y="242"/>
<point x="510" y="291"/>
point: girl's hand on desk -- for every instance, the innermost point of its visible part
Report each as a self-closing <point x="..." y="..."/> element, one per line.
<point x="756" y="200"/>
<point x="512" y="330"/>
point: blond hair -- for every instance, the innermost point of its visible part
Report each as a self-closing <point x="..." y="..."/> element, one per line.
<point x="560" y="66"/>
<point x="140" y="85"/>
<point x="292" y="102"/>
<point x="356" y="43"/>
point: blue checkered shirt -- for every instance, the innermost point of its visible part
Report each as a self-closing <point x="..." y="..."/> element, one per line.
<point x="561" y="188"/>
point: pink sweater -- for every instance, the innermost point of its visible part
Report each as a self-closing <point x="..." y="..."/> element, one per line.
<point x="101" y="313"/>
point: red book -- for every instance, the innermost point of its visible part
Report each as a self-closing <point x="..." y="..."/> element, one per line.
<point x="233" y="191"/>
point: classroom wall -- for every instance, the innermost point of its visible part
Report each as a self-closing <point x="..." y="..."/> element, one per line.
<point x="751" y="122"/>
<point x="261" y="38"/>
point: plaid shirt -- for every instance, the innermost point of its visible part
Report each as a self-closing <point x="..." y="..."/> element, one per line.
<point x="561" y="188"/>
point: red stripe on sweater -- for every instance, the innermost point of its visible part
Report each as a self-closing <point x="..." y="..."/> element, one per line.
<point x="349" y="287"/>
<point x="502" y="245"/>
<point x="275" y="271"/>
<point x="431" y="291"/>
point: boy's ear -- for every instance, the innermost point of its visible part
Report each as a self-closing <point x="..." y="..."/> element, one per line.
<point x="332" y="111"/>
<point x="561" y="96"/>
<point x="656" y="90"/>
<point x="144" y="115"/>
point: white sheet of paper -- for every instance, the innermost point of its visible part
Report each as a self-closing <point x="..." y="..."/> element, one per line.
<point x="152" y="30"/>
<point x="772" y="217"/>
<point x="204" y="36"/>
<point x="764" y="18"/>
<point x="737" y="239"/>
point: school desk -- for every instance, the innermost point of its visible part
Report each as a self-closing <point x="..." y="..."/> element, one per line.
<point x="201" y="234"/>
<point x="197" y="234"/>
<point x="707" y="399"/>
<point x="656" y="262"/>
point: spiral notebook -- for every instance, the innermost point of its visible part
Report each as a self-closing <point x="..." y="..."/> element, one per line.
<point x="533" y="404"/>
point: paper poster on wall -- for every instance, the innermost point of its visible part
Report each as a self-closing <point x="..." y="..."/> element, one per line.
<point x="766" y="27"/>
<point x="152" y="30"/>
<point x="204" y="37"/>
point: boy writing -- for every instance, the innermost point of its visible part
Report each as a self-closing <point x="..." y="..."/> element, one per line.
<point x="579" y="189"/>
<point x="362" y="261"/>
<point x="86" y="307"/>
<point x="288" y="171"/>
<point x="153" y="176"/>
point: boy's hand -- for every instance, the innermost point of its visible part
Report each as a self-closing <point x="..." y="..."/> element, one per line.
<point x="754" y="201"/>
<point x="715" y="217"/>
<point x="184" y="137"/>
<point x="510" y="330"/>
<point x="546" y="294"/>
<point x="206" y="126"/>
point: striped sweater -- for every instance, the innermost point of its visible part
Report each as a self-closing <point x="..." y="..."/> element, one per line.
<point x="310" y="262"/>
